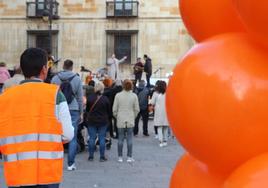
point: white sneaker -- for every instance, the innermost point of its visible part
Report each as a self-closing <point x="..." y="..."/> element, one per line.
<point x="130" y="160"/>
<point x="161" y="145"/>
<point x="71" y="168"/>
<point x="120" y="159"/>
<point x="156" y="136"/>
<point x="164" y="144"/>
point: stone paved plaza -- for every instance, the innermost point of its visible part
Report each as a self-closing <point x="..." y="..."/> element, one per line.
<point x="152" y="167"/>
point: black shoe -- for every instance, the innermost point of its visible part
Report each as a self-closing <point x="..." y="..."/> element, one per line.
<point x="103" y="159"/>
<point x="90" y="158"/>
<point x="108" y="147"/>
<point x="146" y="134"/>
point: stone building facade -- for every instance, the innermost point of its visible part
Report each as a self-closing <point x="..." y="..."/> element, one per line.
<point x="89" y="31"/>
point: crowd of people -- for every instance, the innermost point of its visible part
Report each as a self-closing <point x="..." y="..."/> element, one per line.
<point x="57" y="112"/>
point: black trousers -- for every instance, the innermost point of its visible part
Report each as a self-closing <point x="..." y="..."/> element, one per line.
<point x="137" y="78"/>
<point x="145" y="116"/>
<point x="148" y="77"/>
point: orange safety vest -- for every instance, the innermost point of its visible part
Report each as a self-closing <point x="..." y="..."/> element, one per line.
<point x="30" y="135"/>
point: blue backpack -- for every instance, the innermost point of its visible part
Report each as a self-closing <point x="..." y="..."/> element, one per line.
<point x="67" y="89"/>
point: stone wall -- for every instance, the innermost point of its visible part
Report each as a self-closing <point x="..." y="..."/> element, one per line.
<point x="82" y="36"/>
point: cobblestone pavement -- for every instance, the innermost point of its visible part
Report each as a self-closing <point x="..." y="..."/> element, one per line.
<point x="152" y="167"/>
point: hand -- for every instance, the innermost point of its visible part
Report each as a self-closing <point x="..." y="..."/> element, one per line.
<point x="125" y="57"/>
<point x="81" y="118"/>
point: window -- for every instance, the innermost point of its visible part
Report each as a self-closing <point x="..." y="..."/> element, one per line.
<point x="122" y="43"/>
<point x="40" y="39"/>
<point x="122" y="46"/>
<point x="35" y="9"/>
<point x="122" y="8"/>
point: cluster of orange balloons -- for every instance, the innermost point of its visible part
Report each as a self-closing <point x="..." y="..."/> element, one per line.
<point x="217" y="98"/>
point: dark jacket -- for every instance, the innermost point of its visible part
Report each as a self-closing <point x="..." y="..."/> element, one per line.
<point x="148" y="66"/>
<point x="99" y="116"/>
<point x="138" y="68"/>
<point x="143" y="94"/>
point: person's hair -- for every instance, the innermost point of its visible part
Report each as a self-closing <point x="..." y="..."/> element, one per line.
<point x="32" y="62"/>
<point x="91" y="83"/>
<point x="156" y="87"/>
<point x="145" y="56"/>
<point x="127" y="85"/>
<point x="68" y="64"/>
<point x="107" y="82"/>
<point x="162" y="86"/>
<point x="99" y="88"/>
<point x="3" y="64"/>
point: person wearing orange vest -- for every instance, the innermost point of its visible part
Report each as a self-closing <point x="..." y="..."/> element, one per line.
<point x="34" y="123"/>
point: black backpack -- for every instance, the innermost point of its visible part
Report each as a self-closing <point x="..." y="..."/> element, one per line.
<point x="67" y="89"/>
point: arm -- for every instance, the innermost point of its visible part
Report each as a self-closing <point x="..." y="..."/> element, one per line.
<point x="64" y="117"/>
<point x="7" y="73"/>
<point x="153" y="100"/>
<point x="109" y="110"/>
<point x="136" y="106"/>
<point x="122" y="60"/>
<point x="79" y="96"/>
<point x="115" y="106"/>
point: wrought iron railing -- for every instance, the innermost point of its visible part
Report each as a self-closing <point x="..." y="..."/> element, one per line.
<point x="38" y="9"/>
<point x="122" y="9"/>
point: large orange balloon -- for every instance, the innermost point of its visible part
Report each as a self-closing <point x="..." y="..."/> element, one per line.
<point x="252" y="174"/>
<point x="254" y="15"/>
<point x="217" y="101"/>
<point x="191" y="173"/>
<point x="207" y="18"/>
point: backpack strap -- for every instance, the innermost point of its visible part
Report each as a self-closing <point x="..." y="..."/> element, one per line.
<point x="69" y="79"/>
<point x="96" y="101"/>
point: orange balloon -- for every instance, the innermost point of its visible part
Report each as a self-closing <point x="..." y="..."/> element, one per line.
<point x="217" y="101"/>
<point x="254" y="16"/>
<point x="252" y="174"/>
<point x="191" y="173"/>
<point x="207" y="18"/>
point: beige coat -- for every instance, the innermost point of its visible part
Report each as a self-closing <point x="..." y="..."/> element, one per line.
<point x="125" y="109"/>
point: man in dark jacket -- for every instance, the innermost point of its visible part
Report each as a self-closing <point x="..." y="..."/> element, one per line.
<point x="143" y="95"/>
<point x="138" y="70"/>
<point x="148" y="69"/>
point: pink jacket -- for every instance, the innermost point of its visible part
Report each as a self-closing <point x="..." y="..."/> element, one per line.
<point x="4" y="74"/>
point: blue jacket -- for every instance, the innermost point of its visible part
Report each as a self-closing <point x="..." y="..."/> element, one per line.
<point x="142" y="93"/>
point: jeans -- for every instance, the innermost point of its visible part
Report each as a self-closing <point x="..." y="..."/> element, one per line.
<point x="163" y="133"/>
<point x="72" y="150"/>
<point x="40" y="186"/>
<point x="93" y="131"/>
<point x="155" y="130"/>
<point x="145" y="116"/>
<point x="128" y="134"/>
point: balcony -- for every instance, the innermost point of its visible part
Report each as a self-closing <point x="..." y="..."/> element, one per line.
<point x="37" y="9"/>
<point x="122" y="9"/>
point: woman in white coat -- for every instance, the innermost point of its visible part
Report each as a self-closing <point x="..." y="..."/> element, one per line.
<point x="160" y="116"/>
<point x="125" y="110"/>
<point x="113" y="67"/>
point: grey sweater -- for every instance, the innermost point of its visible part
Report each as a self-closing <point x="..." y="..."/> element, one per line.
<point x="77" y="103"/>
